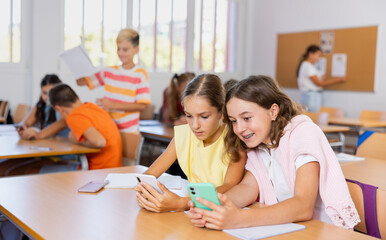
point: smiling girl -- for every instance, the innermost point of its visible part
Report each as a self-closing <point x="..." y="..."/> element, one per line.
<point x="290" y="167"/>
<point x="198" y="145"/>
<point x="126" y="86"/>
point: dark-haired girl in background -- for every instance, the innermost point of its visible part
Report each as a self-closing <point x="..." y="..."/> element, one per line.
<point x="43" y="121"/>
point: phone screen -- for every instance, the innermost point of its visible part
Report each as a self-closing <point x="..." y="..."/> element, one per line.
<point x="93" y="187"/>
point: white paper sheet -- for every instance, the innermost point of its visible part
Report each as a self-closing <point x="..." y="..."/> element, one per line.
<point x="129" y="180"/>
<point x="78" y="62"/>
<point x="321" y="65"/>
<point x="327" y="40"/>
<point x="339" y="62"/>
<point x="264" y="231"/>
<point x="344" y="157"/>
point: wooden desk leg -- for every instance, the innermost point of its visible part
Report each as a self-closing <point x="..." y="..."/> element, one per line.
<point x="341" y="139"/>
<point x="83" y="162"/>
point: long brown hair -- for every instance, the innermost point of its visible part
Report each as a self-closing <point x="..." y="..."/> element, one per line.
<point x="40" y="115"/>
<point x="264" y="91"/>
<point x="173" y="97"/>
<point x="208" y="86"/>
<point x="310" y="49"/>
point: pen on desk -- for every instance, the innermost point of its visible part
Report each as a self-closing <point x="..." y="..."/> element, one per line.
<point x="41" y="148"/>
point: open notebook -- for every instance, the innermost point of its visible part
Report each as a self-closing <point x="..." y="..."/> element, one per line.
<point x="129" y="180"/>
<point x="264" y="231"/>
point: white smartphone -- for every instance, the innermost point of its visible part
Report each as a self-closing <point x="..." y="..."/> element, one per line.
<point x="93" y="187"/>
<point x="149" y="179"/>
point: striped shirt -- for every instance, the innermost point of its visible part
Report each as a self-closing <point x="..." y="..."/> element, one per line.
<point x="124" y="86"/>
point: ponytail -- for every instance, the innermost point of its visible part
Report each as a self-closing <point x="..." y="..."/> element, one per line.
<point x="310" y="49"/>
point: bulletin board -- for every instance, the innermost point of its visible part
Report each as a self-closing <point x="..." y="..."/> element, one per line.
<point x="358" y="43"/>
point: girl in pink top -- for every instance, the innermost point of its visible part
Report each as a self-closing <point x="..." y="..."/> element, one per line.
<point x="291" y="166"/>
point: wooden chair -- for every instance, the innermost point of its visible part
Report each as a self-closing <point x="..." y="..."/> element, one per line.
<point x="4" y="105"/>
<point x="320" y="118"/>
<point x="332" y="112"/>
<point x="131" y="148"/>
<point x="367" y="115"/>
<point x="20" y="113"/>
<point x="372" y="145"/>
<point x="147" y="113"/>
<point x="370" y="202"/>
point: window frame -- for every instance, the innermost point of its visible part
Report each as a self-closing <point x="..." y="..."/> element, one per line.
<point x="25" y="36"/>
<point x="189" y="46"/>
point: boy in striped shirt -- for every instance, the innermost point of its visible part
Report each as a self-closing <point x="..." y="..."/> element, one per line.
<point x="126" y="86"/>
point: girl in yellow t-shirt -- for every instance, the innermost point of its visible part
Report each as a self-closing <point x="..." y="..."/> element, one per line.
<point x="199" y="147"/>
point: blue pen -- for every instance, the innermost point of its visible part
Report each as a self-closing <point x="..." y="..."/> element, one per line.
<point x="41" y="148"/>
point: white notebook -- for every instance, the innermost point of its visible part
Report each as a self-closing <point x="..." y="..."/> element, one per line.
<point x="344" y="157"/>
<point x="264" y="231"/>
<point x="129" y="180"/>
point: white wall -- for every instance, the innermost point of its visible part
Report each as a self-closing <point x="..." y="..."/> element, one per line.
<point x="282" y="16"/>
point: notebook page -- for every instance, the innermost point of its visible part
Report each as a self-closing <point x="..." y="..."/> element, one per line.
<point x="264" y="231"/>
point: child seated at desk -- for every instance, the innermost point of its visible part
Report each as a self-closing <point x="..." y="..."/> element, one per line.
<point x="43" y="121"/>
<point x="90" y="126"/>
<point x="290" y="167"/>
<point x="198" y="145"/>
<point x="172" y="112"/>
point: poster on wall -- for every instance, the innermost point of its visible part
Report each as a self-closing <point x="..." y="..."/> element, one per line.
<point x="339" y="63"/>
<point x="327" y="42"/>
<point x="321" y="65"/>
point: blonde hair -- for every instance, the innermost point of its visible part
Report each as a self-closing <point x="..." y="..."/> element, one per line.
<point x="128" y="35"/>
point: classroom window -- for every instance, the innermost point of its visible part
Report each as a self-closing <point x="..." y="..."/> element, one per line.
<point x="164" y="27"/>
<point x="95" y="25"/>
<point x="10" y="36"/>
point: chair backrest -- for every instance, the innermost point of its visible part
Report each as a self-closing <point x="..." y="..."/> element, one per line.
<point x="132" y="146"/>
<point x="4" y="109"/>
<point x="367" y="115"/>
<point x="371" y="205"/>
<point x="147" y="113"/>
<point x="333" y="112"/>
<point x="372" y="145"/>
<point x="20" y="113"/>
<point x="320" y="118"/>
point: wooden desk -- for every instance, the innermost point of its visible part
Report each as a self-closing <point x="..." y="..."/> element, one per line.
<point x="155" y="130"/>
<point x="353" y="122"/>
<point x="48" y="206"/>
<point x="369" y="171"/>
<point x="11" y="146"/>
<point x="339" y="130"/>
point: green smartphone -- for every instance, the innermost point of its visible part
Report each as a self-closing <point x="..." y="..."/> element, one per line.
<point x="203" y="190"/>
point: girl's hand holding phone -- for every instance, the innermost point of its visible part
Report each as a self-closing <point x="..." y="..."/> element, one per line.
<point x="227" y="215"/>
<point x="151" y="200"/>
<point x="28" y="134"/>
